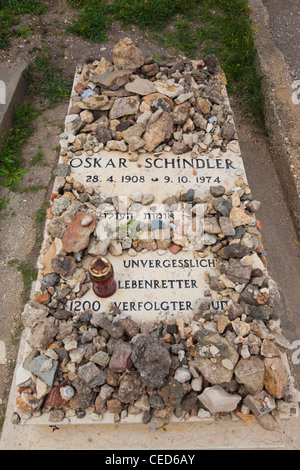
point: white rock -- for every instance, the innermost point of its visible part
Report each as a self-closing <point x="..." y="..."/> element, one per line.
<point x="204" y="414"/>
<point x="67" y="392"/>
<point x="182" y="375"/>
<point x="245" y="353"/>
<point x="47" y="365"/>
<point x="197" y="384"/>
<point x="115" y="248"/>
<point x="137" y="197"/>
<point x="2" y="353"/>
<point x="77" y="354"/>
<point x="86" y="220"/>
<point x="214" y="350"/>
<point x="144" y="117"/>
<point x="22" y="375"/>
<point x="147" y="199"/>
<point x="227" y="364"/>
<point x="132" y="252"/>
<point x="33" y="313"/>
<point x="216" y="399"/>
<point x="184" y="97"/>
<point x="170" y="90"/>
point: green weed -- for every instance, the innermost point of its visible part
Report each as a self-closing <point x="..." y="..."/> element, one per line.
<point x="4" y="203"/>
<point x="2" y="416"/>
<point x="11" y="167"/>
<point x="226" y="30"/>
<point x="24" y="31"/>
<point x="40" y="214"/>
<point x="93" y="20"/>
<point x="36" y="159"/>
<point x="152" y="14"/>
<point x="48" y="80"/>
<point x="31" y="189"/>
<point x="29" y="274"/>
<point x="10" y="12"/>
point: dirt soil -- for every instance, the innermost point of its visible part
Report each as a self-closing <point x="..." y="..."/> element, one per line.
<point x="20" y="235"/>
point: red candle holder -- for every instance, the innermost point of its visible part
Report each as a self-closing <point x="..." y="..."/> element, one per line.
<point x="102" y="276"/>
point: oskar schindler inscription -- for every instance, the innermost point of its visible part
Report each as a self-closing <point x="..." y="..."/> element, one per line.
<point x="112" y="171"/>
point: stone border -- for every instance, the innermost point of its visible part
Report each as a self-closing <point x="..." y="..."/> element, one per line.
<point x="282" y="116"/>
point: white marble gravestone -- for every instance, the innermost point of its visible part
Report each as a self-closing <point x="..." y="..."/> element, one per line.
<point x="154" y="285"/>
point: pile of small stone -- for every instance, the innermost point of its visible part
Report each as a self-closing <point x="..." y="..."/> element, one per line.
<point x="138" y="105"/>
<point x="224" y="362"/>
<point x="227" y="360"/>
<point x="94" y="363"/>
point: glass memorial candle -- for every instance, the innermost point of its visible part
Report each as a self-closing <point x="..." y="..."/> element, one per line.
<point x="102" y="276"/>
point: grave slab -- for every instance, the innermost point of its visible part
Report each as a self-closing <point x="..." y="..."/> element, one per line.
<point x="174" y="295"/>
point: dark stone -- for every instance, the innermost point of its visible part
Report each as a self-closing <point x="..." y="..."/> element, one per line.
<point x="99" y="319"/>
<point x="85" y="317"/>
<point x="83" y="397"/>
<point x="189" y="401"/>
<point x="62" y="314"/>
<point x="190" y="194"/>
<point x="50" y="280"/>
<point x="217" y="191"/>
<point x="156" y="402"/>
<point x="235" y="251"/>
<point x="131" y="328"/>
<point x="238" y="272"/>
<point x="152" y="359"/>
<point x="223" y="206"/>
<point x="147" y="416"/>
<point x="160" y="103"/>
<point x="239" y="232"/>
<point x="103" y="135"/>
<point x="92" y="375"/>
<point x="211" y="62"/>
<point x="64" y="265"/>
<point x="123" y="126"/>
<point x="131" y="387"/>
<point x="258" y="313"/>
<point x="177" y="66"/>
<point x="228" y="132"/>
<point x="172" y="329"/>
<point x="172" y="393"/>
<point x="247" y="295"/>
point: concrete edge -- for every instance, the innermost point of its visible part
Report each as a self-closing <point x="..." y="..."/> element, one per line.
<point x="281" y="114"/>
<point x="15" y="90"/>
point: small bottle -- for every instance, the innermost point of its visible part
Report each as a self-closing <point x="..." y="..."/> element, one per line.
<point x="102" y="276"/>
